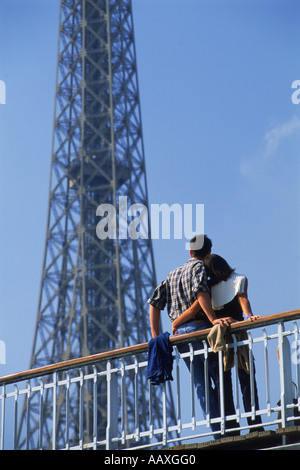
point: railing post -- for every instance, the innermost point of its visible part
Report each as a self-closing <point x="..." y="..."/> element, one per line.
<point x="15" y="416"/>
<point x="236" y="379"/>
<point x="54" y="406"/>
<point x="286" y="384"/>
<point x="28" y="386"/>
<point x="178" y="397"/>
<point x="251" y="365"/>
<point x="40" y="444"/>
<point x="165" y="425"/>
<point x="296" y="361"/>
<point x="206" y="382"/>
<point x="95" y="408"/>
<point x="136" y="400"/>
<point x="2" y="418"/>
<point x="81" y="408"/>
<point x="267" y="377"/>
<point x="192" y="385"/>
<point x="112" y="408"/>
<point x="222" y="398"/>
<point x="67" y="398"/>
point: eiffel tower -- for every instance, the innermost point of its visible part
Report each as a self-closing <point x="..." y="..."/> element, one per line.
<point x="93" y="294"/>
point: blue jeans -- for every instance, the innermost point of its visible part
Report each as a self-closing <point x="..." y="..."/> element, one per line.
<point x="199" y="380"/>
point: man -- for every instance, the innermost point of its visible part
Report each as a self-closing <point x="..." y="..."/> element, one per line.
<point x="178" y="292"/>
<point x="182" y="287"/>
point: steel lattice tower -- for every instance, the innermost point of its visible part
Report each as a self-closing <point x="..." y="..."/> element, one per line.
<point x="93" y="294"/>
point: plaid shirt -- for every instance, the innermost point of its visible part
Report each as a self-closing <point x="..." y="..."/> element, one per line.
<point x="179" y="291"/>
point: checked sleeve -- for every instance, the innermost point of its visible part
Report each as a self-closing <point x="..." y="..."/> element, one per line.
<point x="159" y="297"/>
<point x="199" y="281"/>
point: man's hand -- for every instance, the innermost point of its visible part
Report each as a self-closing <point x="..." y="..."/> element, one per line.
<point x="253" y="317"/>
<point x="223" y="321"/>
<point x="205" y="303"/>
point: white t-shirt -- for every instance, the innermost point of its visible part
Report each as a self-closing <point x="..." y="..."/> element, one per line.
<point x="225" y="291"/>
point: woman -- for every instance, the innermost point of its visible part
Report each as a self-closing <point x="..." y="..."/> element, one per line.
<point x="228" y="290"/>
<point x="229" y="294"/>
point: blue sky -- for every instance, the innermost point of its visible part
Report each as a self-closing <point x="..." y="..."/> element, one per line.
<point x="220" y="129"/>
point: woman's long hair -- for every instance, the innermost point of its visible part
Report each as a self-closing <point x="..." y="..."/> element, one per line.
<point x="218" y="269"/>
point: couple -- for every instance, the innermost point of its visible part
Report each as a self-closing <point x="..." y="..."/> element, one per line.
<point x="186" y="293"/>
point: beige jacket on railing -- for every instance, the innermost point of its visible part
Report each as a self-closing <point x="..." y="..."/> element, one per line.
<point x="218" y="339"/>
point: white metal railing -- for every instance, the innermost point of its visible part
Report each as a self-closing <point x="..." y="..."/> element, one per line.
<point x="273" y="342"/>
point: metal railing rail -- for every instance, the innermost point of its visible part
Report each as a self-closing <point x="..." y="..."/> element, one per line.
<point x="269" y="340"/>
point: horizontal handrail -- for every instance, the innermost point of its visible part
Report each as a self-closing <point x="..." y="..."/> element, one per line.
<point x="140" y="348"/>
<point x="242" y="325"/>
